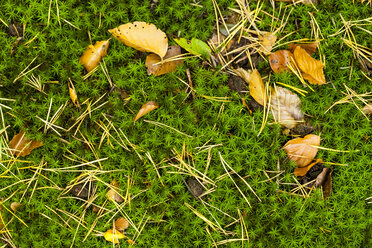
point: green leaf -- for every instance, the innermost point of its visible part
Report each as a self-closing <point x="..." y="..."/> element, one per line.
<point x="196" y="47"/>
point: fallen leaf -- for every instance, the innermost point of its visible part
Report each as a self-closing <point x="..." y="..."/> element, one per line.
<point x="301" y="171"/>
<point x="196" y="47"/>
<point x="83" y="189"/>
<point x="22" y="146"/>
<point x="321" y="178"/>
<point x="113" y="236"/>
<point x="166" y="67"/>
<point x="286" y="107"/>
<point x="121" y="224"/>
<point x="194" y="186"/>
<point x="280" y="59"/>
<point x="93" y="54"/>
<point x="112" y="193"/>
<point x="256" y="85"/>
<point x="302" y="150"/>
<point x="366" y="64"/>
<point x="310" y="48"/>
<point x="73" y="94"/>
<point x="302" y="129"/>
<point x="327" y="185"/>
<point x="299" y="1"/>
<point x="15" y="205"/>
<point x="312" y="69"/>
<point x="367" y="109"/>
<point x="146" y="108"/>
<point x="143" y="37"/>
<point x="267" y="41"/>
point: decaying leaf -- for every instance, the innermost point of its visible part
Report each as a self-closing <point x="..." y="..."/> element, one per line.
<point x="286" y="107"/>
<point x="280" y="59"/>
<point x="166" y="67"/>
<point x="14" y="206"/>
<point x="121" y="224"/>
<point x="196" y="47"/>
<point x="302" y="129"/>
<point x="194" y="186"/>
<point x="93" y="54"/>
<point x="312" y="69"/>
<point x="321" y="177"/>
<point x="310" y="48"/>
<point x="22" y="146"/>
<point x="327" y="185"/>
<point x="301" y="171"/>
<point x="256" y="85"/>
<point x="112" y="195"/>
<point x="15" y="28"/>
<point x="113" y="235"/>
<point x="146" y="108"/>
<point x="83" y="189"/>
<point x="267" y="42"/>
<point x="237" y="84"/>
<point x="367" y="109"/>
<point x="143" y="37"/>
<point x="302" y="150"/>
<point x="73" y="94"/>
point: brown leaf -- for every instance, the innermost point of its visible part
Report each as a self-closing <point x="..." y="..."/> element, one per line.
<point x="327" y="185"/>
<point x="93" y="54"/>
<point x="280" y="59"/>
<point x="321" y="178"/>
<point x="256" y="85"/>
<point x="310" y="48"/>
<point x="166" y="67"/>
<point x="312" y="69"/>
<point x="112" y="193"/>
<point x="146" y="108"/>
<point x="22" y="146"/>
<point x="143" y="37"/>
<point x="83" y="189"/>
<point x="301" y="171"/>
<point x="367" y="109"/>
<point x="15" y="205"/>
<point x="286" y="107"/>
<point x="267" y="42"/>
<point x="302" y="150"/>
<point x="121" y="224"/>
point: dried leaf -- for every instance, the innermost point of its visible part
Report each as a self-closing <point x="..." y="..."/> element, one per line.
<point x="312" y="69"/>
<point x="367" y="109"/>
<point x="113" y="236"/>
<point x="301" y="171"/>
<point x="22" y="146"/>
<point x="166" y="67"/>
<point x="286" y="107"/>
<point x="93" y="54"/>
<point x="321" y="178"/>
<point x="73" y="94"/>
<point x="310" y="48"/>
<point x="112" y="195"/>
<point x="121" y="224"/>
<point x="327" y="185"/>
<point x="194" y="186"/>
<point x="143" y="37"/>
<point x="302" y="150"/>
<point x="256" y="85"/>
<point x="83" y="189"/>
<point x="146" y="108"/>
<point x="196" y="47"/>
<point x="280" y="59"/>
<point x="267" y="41"/>
<point x="15" y="205"/>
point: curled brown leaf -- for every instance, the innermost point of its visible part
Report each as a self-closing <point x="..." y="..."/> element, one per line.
<point x="121" y="224"/>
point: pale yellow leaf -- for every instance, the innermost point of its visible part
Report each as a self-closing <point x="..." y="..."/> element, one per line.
<point x="93" y="54"/>
<point x="113" y="236"/>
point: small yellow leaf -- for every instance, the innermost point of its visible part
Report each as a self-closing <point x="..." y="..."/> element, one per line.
<point x="310" y="48"/>
<point x="256" y="85"/>
<point x="267" y="41"/>
<point x="302" y="150"/>
<point x="147" y="107"/>
<point x="93" y="54"/>
<point x="312" y="69"/>
<point x="166" y="67"/>
<point x="113" y="236"/>
<point x="73" y="94"/>
<point x="143" y="37"/>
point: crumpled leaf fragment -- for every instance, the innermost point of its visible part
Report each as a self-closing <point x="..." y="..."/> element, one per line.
<point x="310" y="48"/>
<point x="267" y="42"/>
<point x="280" y="59"/>
<point x="112" y="193"/>
<point x="301" y="171"/>
<point x="94" y="54"/>
<point x="166" y="67"/>
<point x="302" y="150"/>
<point x="146" y="108"/>
<point x="286" y="107"/>
<point x="15" y="205"/>
<point x="143" y="37"/>
<point x="312" y="69"/>
<point x="21" y="146"/>
<point x="196" y="47"/>
<point x="113" y="235"/>
<point x="256" y="85"/>
<point x="367" y="109"/>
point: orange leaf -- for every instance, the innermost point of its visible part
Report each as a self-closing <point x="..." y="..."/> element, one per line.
<point x="22" y="146"/>
<point x="310" y="48"/>
<point x="312" y="69"/>
<point x="279" y="60"/>
<point x="302" y="150"/>
<point x="147" y="107"/>
<point x="121" y="224"/>
<point x="93" y="54"/>
<point x="143" y="37"/>
<point x="166" y="67"/>
<point x="301" y="171"/>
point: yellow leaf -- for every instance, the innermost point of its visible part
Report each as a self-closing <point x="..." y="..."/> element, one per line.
<point x="312" y="69"/>
<point x="113" y="236"/>
<point x="256" y="85"/>
<point x="93" y="54"/>
<point x="267" y="41"/>
<point x="73" y="94"/>
<point x="166" y="67"/>
<point x="143" y="37"/>
<point x="302" y="150"/>
<point x="147" y="107"/>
